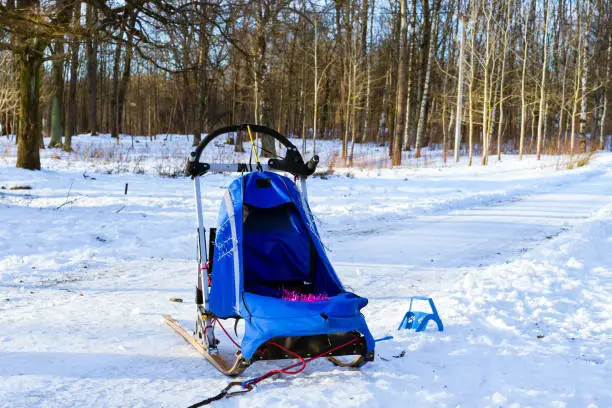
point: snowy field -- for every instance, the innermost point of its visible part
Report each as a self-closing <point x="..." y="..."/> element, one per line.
<point x="516" y="255"/>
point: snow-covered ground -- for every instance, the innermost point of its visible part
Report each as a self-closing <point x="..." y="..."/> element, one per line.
<point x="516" y="255"/>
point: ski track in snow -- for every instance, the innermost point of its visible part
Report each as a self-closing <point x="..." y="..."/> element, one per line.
<point x="518" y="263"/>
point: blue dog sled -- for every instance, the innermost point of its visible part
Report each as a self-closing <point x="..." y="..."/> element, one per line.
<point x="265" y="264"/>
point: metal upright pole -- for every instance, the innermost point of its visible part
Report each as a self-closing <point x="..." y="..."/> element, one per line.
<point x="202" y="258"/>
<point x="303" y="187"/>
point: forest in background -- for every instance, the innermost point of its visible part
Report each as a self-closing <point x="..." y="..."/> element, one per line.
<point x="527" y="76"/>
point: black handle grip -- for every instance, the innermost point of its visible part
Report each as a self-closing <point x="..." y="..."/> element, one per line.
<point x="312" y="163"/>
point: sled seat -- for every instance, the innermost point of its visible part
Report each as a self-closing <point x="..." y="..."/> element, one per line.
<point x="279" y="254"/>
<point x="326" y="321"/>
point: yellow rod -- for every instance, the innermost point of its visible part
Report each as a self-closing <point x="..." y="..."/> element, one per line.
<point x="253" y="144"/>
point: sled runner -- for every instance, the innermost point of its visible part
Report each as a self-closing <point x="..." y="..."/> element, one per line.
<point x="265" y="264"/>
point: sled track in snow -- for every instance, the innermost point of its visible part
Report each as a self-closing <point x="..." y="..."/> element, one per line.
<point x="393" y="221"/>
<point x="446" y="242"/>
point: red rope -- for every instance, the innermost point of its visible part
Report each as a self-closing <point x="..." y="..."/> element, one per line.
<point x="296" y="355"/>
<point x="206" y="267"/>
<point x="215" y="320"/>
<point x="302" y="362"/>
<point x="287" y="369"/>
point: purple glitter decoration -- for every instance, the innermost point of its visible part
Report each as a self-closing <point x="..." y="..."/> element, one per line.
<point x="294" y="296"/>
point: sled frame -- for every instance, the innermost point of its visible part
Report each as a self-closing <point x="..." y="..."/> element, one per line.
<point x="230" y="369"/>
<point x="237" y="367"/>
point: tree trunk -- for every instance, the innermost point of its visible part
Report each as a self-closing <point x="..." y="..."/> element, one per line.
<point x="585" y="73"/>
<point x="302" y="105"/>
<point x="575" y="106"/>
<point x="523" y="90"/>
<point x="353" y="111"/>
<point x="57" y="99"/>
<point x="411" y="52"/>
<point x="486" y="91"/>
<point x="200" y="80"/>
<point x="561" y="110"/>
<point x="114" y="119"/>
<point x="347" y="114"/>
<point x="268" y="148"/>
<point x="459" y="93"/>
<point x="426" y="85"/>
<point x="30" y="136"/>
<point x="500" y="126"/>
<point x="315" y="102"/>
<point x="604" y="108"/>
<point x="543" y="82"/>
<point x="382" y="123"/>
<point x="92" y="70"/>
<point x="472" y="83"/>
<point x="236" y="76"/>
<point x="396" y="157"/>
<point x="367" y="56"/>
<point x="127" y="69"/>
<point x="74" y="65"/>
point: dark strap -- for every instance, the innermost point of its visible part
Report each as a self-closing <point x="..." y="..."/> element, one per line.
<point x="223" y="394"/>
<point x="212" y="238"/>
<point x="209" y="400"/>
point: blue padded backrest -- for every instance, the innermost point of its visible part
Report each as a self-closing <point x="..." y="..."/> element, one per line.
<point x="275" y="246"/>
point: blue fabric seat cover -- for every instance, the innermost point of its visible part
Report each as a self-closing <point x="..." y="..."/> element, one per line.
<point x="267" y="239"/>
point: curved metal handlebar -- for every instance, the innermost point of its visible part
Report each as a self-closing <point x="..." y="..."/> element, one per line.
<point x="243" y="127"/>
<point x="292" y="162"/>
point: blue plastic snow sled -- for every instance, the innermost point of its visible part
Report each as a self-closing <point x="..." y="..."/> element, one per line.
<point x="267" y="246"/>
<point x="418" y="320"/>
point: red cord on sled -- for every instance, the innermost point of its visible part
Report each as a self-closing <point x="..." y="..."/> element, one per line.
<point x="286" y="370"/>
<point x="248" y="384"/>
<point x="215" y="320"/>
<point x="302" y="362"/>
<point x="206" y="267"/>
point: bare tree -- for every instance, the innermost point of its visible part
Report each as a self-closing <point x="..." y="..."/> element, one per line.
<point x="59" y="57"/>
<point x="411" y="52"/>
<point x="458" y="115"/>
<point x="541" y="115"/>
<point x="396" y="157"/>
<point x="585" y="72"/>
<point x="426" y="84"/>
<point x="9" y="91"/>
<point x="30" y="41"/>
<point x="74" y="65"/>
<point x="92" y="69"/>
<point x="500" y="126"/>
<point x="487" y="89"/>
<point x="524" y="82"/>
<point x="604" y="108"/>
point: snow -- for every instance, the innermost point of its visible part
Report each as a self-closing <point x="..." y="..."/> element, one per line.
<point x="516" y="256"/>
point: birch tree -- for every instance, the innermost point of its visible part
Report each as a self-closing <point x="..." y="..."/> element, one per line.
<point x="585" y="72"/>
<point x="500" y="126"/>
<point x="541" y="113"/>
<point x="605" y="90"/>
<point x="426" y="85"/>
<point x="458" y="114"/>
<point x="524" y="82"/>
